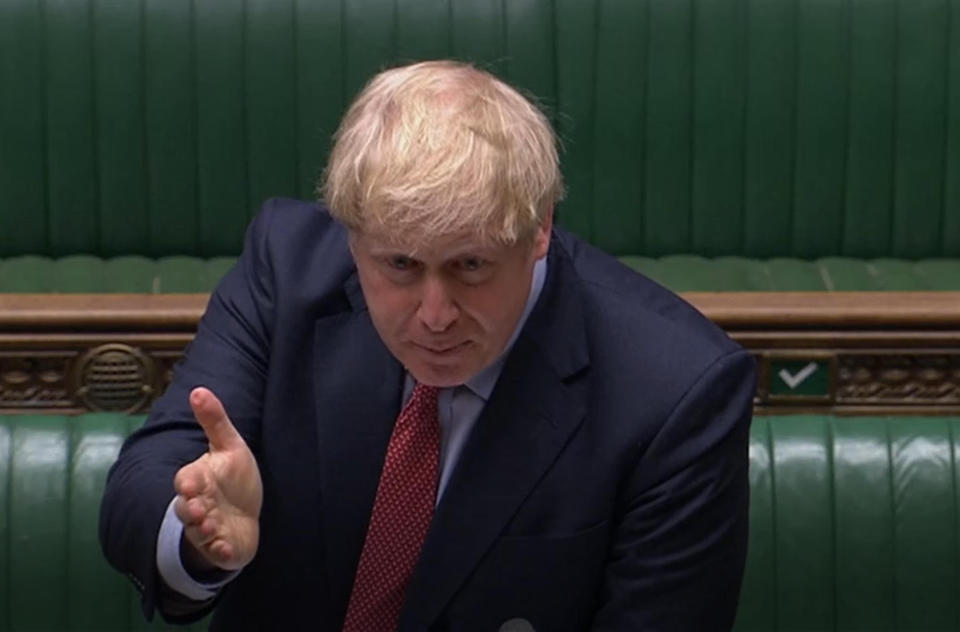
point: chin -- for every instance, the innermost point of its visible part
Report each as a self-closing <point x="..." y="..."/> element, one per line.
<point x="442" y="371"/>
<point x="441" y="375"/>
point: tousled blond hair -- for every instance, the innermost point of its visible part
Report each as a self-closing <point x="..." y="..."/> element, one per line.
<point x="440" y="148"/>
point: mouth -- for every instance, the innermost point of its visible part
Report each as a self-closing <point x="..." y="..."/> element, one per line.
<point x="442" y="350"/>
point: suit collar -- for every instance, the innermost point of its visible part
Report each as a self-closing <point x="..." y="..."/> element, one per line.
<point x="354" y="292"/>
<point x="557" y="324"/>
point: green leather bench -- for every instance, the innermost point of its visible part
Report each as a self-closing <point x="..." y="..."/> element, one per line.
<point x="853" y="525"/>
<point x="824" y="131"/>
<point x="53" y="576"/>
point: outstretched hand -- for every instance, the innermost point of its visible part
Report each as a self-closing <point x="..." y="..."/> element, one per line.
<point x="220" y="494"/>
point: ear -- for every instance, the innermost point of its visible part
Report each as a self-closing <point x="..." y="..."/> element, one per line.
<point x="541" y="239"/>
<point x="352" y="242"/>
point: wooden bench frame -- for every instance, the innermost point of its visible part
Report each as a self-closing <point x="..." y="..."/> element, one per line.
<point x="870" y="352"/>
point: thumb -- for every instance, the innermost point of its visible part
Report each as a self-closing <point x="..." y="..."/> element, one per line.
<point x="213" y="419"/>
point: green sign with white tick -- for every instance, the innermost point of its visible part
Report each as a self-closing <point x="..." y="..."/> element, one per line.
<point x="800" y="377"/>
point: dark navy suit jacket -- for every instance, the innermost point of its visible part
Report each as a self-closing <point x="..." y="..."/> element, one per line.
<point x="604" y="486"/>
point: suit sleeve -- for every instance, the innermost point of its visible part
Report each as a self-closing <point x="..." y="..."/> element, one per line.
<point x="677" y="559"/>
<point x="229" y="356"/>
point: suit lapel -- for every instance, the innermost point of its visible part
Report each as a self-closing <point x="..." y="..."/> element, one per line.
<point x="357" y="392"/>
<point x="532" y="413"/>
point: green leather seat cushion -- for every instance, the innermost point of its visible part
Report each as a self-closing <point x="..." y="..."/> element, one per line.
<point x="682" y="273"/>
<point x="852" y="524"/>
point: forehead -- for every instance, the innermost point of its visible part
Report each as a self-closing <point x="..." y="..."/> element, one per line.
<point x="436" y="248"/>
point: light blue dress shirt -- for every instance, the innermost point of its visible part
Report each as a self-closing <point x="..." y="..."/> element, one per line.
<point x="458" y="409"/>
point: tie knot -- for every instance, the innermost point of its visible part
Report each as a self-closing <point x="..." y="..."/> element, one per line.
<point x="422" y="391"/>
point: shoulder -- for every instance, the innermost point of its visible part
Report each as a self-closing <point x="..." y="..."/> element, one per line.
<point x="302" y="249"/>
<point x="637" y="331"/>
<point x="289" y="226"/>
<point x="620" y="300"/>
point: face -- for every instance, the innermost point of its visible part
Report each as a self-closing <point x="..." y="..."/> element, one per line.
<point x="446" y="311"/>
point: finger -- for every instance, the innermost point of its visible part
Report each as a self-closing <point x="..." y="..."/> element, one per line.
<point x="201" y="534"/>
<point x="221" y="551"/>
<point x="190" y="511"/>
<point x="213" y="418"/>
<point x="191" y="479"/>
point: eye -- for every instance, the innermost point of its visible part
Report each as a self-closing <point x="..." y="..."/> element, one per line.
<point x="472" y="270"/>
<point x="400" y="268"/>
<point x="400" y="262"/>
<point x="471" y="264"/>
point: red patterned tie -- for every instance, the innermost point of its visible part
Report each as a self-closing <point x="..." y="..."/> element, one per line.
<point x="401" y="516"/>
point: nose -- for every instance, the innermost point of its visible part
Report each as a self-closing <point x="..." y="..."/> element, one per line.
<point x="437" y="311"/>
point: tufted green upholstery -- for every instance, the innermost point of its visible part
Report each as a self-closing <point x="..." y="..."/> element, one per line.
<point x="757" y="128"/>
<point x="853" y="525"/>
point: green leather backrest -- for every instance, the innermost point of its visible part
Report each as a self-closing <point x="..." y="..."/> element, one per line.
<point x="854" y="525"/>
<point x="714" y="127"/>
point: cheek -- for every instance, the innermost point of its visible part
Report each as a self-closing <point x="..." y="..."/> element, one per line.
<point x="390" y="306"/>
<point x="504" y="305"/>
<point x="494" y="310"/>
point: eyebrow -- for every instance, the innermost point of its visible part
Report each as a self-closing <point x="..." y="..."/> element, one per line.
<point x="388" y="252"/>
<point x="479" y="252"/>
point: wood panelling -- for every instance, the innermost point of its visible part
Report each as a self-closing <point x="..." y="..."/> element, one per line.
<point x="844" y="353"/>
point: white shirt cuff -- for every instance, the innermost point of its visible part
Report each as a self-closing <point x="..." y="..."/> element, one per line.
<point x="171" y="566"/>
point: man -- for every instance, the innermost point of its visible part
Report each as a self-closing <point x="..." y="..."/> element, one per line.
<point x="427" y="408"/>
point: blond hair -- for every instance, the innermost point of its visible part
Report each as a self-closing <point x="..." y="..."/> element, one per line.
<point x="440" y="148"/>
